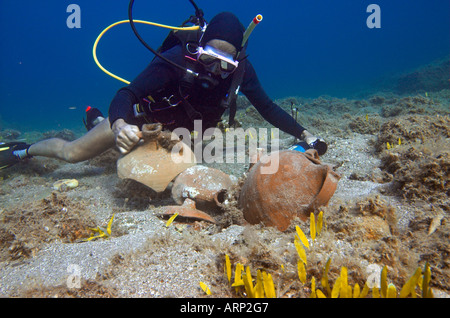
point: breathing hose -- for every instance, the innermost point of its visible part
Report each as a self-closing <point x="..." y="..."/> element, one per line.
<point x="94" y="49"/>
<point x="130" y="18"/>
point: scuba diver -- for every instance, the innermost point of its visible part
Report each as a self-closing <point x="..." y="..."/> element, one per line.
<point x="166" y="94"/>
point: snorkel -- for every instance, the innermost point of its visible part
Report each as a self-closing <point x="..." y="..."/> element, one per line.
<point x="250" y="28"/>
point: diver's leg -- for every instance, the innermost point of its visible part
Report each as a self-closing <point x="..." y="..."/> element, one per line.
<point x="94" y="142"/>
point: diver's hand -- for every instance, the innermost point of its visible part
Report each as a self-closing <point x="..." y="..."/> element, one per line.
<point x="315" y="142"/>
<point x="308" y="137"/>
<point x="126" y="135"/>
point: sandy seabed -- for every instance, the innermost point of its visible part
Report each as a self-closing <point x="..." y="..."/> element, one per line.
<point x="391" y="208"/>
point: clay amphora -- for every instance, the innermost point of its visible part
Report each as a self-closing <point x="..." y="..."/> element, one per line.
<point x="299" y="186"/>
<point x="151" y="163"/>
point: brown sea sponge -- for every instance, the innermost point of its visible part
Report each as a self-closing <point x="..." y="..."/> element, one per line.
<point x="25" y="228"/>
<point x="425" y="178"/>
<point x="369" y="125"/>
<point x="410" y="105"/>
<point x="420" y="166"/>
<point x="413" y="129"/>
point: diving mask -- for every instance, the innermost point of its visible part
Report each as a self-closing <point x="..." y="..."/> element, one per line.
<point x="210" y="55"/>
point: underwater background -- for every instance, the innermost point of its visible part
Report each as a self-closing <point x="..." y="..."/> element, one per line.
<point x="301" y="48"/>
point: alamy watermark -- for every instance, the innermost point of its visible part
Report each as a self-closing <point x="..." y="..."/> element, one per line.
<point x="374" y="19"/>
<point x="73" y="21"/>
<point x="374" y="276"/>
<point x="74" y="278"/>
<point x="255" y="139"/>
<point x="235" y="145"/>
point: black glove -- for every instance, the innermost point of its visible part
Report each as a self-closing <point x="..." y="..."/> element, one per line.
<point x="315" y="142"/>
<point x="319" y="144"/>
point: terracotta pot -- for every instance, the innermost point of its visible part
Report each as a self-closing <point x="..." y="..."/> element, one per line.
<point x="298" y="187"/>
<point x="151" y="163"/>
<point x="206" y="186"/>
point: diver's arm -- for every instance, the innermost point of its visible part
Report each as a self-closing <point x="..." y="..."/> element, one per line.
<point x="274" y="114"/>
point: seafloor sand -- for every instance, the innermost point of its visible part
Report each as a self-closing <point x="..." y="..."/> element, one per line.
<point x="382" y="212"/>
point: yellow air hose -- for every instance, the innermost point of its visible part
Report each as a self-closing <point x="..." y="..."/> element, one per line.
<point x="94" y="49"/>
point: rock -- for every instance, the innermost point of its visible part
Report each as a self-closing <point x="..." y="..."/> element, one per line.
<point x="65" y="184"/>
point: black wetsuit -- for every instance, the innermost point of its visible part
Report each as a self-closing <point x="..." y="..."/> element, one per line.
<point x="160" y="79"/>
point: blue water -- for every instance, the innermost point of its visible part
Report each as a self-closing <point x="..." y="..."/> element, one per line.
<point x="301" y="48"/>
